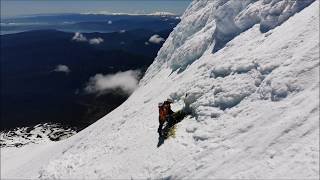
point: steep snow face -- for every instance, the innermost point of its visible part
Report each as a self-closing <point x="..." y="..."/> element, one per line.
<point x="255" y="106"/>
<point x="208" y="25"/>
<point x="255" y="109"/>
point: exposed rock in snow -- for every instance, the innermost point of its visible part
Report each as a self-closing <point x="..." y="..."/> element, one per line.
<point x="255" y="104"/>
<point x="38" y="134"/>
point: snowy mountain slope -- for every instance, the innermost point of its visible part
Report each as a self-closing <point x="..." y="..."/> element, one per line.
<point x="207" y="25"/>
<point x="255" y="105"/>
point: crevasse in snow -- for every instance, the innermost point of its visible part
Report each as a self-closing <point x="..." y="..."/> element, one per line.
<point x="255" y="105"/>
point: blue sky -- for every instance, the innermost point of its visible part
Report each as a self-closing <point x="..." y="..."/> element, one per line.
<point x="28" y="7"/>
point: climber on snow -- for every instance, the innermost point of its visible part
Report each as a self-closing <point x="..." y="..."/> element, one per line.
<point x="166" y="115"/>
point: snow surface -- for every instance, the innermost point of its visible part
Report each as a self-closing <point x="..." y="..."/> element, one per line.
<point x="255" y="104"/>
<point x="207" y="25"/>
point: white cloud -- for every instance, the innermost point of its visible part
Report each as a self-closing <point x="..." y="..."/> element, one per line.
<point x="62" y="68"/>
<point x="79" y="37"/>
<point x="146" y="43"/>
<point x="156" y="39"/>
<point x="97" y="40"/>
<point x="122" y="31"/>
<point x="109" y="22"/>
<point x="126" y="81"/>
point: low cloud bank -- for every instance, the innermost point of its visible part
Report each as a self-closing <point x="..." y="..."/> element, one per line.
<point x="62" y="68"/>
<point x="96" y="40"/>
<point x="156" y="39"/>
<point x="126" y="81"/>
<point x="78" y="37"/>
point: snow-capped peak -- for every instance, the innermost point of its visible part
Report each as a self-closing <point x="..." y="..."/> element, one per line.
<point x="163" y="13"/>
<point x="157" y="13"/>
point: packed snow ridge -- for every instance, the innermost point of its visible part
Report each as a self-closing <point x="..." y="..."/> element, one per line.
<point x="251" y="72"/>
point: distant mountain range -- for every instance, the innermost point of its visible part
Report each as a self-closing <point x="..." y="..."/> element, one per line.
<point x="157" y="13"/>
<point x="89" y="22"/>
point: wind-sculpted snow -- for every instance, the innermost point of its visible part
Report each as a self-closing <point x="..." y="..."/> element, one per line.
<point x="208" y="25"/>
<point x="255" y="109"/>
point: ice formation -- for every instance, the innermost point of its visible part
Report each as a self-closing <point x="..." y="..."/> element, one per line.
<point x="207" y="25"/>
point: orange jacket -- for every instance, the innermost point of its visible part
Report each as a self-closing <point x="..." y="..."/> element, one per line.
<point x="164" y="110"/>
